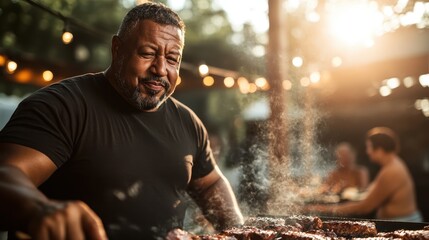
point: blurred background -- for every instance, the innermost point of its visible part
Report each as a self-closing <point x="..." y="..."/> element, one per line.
<point x="344" y="66"/>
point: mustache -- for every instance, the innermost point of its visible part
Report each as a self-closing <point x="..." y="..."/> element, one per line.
<point x="164" y="82"/>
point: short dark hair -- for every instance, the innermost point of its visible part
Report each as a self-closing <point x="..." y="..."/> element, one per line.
<point x="384" y="138"/>
<point x="156" y="12"/>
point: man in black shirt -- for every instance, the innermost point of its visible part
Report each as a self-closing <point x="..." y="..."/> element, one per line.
<point x="113" y="152"/>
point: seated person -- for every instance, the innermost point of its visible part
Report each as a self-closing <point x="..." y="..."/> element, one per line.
<point x="392" y="193"/>
<point x="347" y="173"/>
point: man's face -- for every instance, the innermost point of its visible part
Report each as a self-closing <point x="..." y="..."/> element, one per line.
<point x="147" y="62"/>
<point x="372" y="153"/>
<point x="345" y="156"/>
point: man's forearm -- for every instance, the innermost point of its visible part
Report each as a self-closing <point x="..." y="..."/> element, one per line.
<point x="18" y="197"/>
<point x="219" y="205"/>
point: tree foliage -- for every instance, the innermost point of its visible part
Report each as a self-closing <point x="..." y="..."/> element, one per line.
<point x="28" y="29"/>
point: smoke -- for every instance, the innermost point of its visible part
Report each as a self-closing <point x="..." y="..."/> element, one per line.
<point x="280" y="186"/>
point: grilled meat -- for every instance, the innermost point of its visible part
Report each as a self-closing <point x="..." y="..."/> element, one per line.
<point x="307" y="223"/>
<point x="304" y="228"/>
<point x="250" y="233"/>
<point x="264" y="222"/>
<point x="407" y="234"/>
<point x="351" y="228"/>
<point x="293" y="235"/>
<point x="274" y="224"/>
<point x="214" y="237"/>
<point x="376" y="238"/>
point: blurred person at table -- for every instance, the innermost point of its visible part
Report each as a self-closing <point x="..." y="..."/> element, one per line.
<point x="391" y="194"/>
<point x="347" y="173"/>
<point x="113" y="151"/>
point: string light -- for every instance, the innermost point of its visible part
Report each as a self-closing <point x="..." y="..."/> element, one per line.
<point x="260" y="82"/>
<point x="315" y="77"/>
<point x="23" y="76"/>
<point x="203" y="69"/>
<point x="252" y="87"/>
<point x="424" y="80"/>
<point x="47" y="76"/>
<point x="243" y="85"/>
<point x="422" y="105"/>
<point x="305" y="82"/>
<point x="11" y="67"/>
<point x="2" y="60"/>
<point x="408" y="82"/>
<point x="393" y="83"/>
<point x="385" y="91"/>
<point x="266" y="86"/>
<point x="208" y="81"/>
<point x="297" y="62"/>
<point x="287" y="85"/>
<point x="67" y="36"/>
<point x="229" y="82"/>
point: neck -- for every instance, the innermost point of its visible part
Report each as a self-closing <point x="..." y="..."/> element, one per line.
<point x="387" y="158"/>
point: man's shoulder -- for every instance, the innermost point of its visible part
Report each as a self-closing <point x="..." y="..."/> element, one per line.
<point x="393" y="171"/>
<point x="183" y="110"/>
<point x="65" y="92"/>
<point x="181" y="107"/>
<point x="80" y="80"/>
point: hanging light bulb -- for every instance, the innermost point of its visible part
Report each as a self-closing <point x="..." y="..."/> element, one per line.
<point x="67" y="36"/>
<point x="11" y="67"/>
<point x="203" y="69"/>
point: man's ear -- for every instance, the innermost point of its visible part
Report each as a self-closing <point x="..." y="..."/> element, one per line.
<point x="116" y="43"/>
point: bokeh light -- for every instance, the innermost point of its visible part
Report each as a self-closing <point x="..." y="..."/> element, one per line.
<point x="208" y="81"/>
<point x="287" y="85"/>
<point x="203" y="69"/>
<point x="11" y="66"/>
<point x="229" y="82"/>
<point x="260" y="82"/>
<point x="47" y="76"/>
<point x="385" y="91"/>
<point x="297" y="62"/>
<point x="67" y="37"/>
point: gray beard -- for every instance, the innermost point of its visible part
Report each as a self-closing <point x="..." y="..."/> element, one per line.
<point x="134" y="97"/>
<point x="149" y="102"/>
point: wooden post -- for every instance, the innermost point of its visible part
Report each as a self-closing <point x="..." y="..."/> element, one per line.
<point x="279" y="192"/>
<point x="276" y="73"/>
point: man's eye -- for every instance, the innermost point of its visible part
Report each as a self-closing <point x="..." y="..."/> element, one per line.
<point x="173" y="60"/>
<point x="147" y="54"/>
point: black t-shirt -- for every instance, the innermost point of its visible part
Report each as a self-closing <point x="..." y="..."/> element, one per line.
<point x="131" y="167"/>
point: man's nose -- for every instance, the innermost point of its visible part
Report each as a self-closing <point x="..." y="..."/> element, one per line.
<point x="159" y="66"/>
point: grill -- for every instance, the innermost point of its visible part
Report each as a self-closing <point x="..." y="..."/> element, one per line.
<point x="382" y="225"/>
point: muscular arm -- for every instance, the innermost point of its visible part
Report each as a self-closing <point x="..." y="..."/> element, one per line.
<point x="24" y="207"/>
<point x="382" y="187"/>
<point x="215" y="197"/>
<point x="363" y="178"/>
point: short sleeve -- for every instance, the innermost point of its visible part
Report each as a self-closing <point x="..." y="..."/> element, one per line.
<point x="204" y="162"/>
<point x="44" y="121"/>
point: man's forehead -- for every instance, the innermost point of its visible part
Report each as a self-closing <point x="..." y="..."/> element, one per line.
<point x="151" y="28"/>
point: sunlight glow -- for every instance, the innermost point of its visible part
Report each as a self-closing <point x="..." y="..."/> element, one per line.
<point x="355" y="22"/>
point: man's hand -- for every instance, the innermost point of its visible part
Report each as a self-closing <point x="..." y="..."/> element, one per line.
<point x="216" y="199"/>
<point x="23" y="207"/>
<point x="66" y="220"/>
